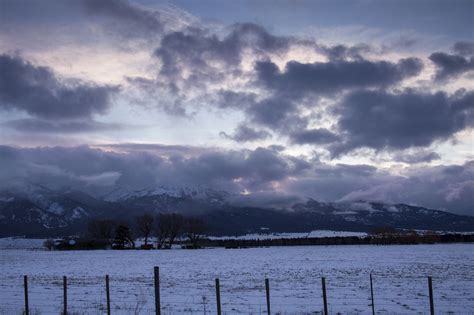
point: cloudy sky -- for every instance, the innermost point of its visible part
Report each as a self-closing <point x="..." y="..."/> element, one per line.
<point x="333" y="100"/>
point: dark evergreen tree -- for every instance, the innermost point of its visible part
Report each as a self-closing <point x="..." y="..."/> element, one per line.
<point x="123" y="237"/>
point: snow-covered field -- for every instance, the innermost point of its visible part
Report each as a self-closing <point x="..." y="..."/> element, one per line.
<point x="187" y="279"/>
<point x="269" y="236"/>
<point x="21" y="243"/>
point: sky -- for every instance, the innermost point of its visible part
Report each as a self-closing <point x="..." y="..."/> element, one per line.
<point x="271" y="100"/>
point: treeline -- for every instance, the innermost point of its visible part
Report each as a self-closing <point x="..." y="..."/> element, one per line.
<point x="168" y="229"/>
<point x="392" y="239"/>
<point x="164" y="229"/>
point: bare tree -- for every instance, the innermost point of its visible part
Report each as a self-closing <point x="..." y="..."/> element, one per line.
<point x="145" y="226"/>
<point x="162" y="230"/>
<point x="101" y="230"/>
<point x="195" y="229"/>
<point x="168" y="228"/>
<point x="176" y="222"/>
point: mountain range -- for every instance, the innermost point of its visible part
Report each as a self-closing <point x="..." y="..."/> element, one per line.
<point x="36" y="210"/>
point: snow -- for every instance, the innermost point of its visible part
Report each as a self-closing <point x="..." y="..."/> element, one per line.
<point x="55" y="208"/>
<point x="345" y="212"/>
<point x="20" y="243"/>
<point x="195" y="192"/>
<point x="121" y="194"/>
<point x="269" y="236"/>
<point x="78" y="212"/>
<point x="187" y="279"/>
<point x="354" y="207"/>
<point x="393" y="209"/>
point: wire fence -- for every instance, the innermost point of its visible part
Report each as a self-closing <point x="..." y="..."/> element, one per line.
<point x="391" y="294"/>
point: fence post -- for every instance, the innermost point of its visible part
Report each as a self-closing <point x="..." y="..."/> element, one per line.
<point x="430" y="288"/>
<point x="267" y="289"/>
<point x="107" y="289"/>
<point x="325" y="301"/>
<point x="25" y="285"/>
<point x="372" y="295"/>
<point x="218" y="297"/>
<point x="65" y="295"/>
<point x="157" y="291"/>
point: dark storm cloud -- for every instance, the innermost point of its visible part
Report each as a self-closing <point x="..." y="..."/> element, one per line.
<point x="195" y="49"/>
<point x="345" y="170"/>
<point x="464" y="48"/>
<point x="255" y="36"/>
<point x="314" y="136"/>
<point x="382" y="120"/>
<point x="451" y="66"/>
<point x="343" y="52"/>
<point x="332" y="77"/>
<point x="47" y="126"/>
<point x="37" y="91"/>
<point x="278" y="113"/>
<point x="246" y="134"/>
<point x="235" y="100"/>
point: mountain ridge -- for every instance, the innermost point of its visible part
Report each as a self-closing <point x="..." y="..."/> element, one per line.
<point x="39" y="210"/>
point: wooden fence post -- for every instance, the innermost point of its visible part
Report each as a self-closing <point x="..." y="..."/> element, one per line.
<point x="218" y="297"/>
<point x="25" y="285"/>
<point x="157" y="291"/>
<point x="107" y="289"/>
<point x="267" y="289"/>
<point x="65" y="295"/>
<point x="325" y="301"/>
<point x="372" y="295"/>
<point x="430" y="288"/>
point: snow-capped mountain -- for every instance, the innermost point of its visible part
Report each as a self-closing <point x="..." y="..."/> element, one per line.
<point x="120" y="194"/>
<point x="38" y="210"/>
<point x="365" y="214"/>
<point x="66" y="204"/>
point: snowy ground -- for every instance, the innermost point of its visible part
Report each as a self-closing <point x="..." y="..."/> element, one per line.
<point x="21" y="243"/>
<point x="187" y="279"/>
<point x="269" y="236"/>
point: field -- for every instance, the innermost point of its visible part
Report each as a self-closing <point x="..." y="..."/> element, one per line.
<point x="187" y="279"/>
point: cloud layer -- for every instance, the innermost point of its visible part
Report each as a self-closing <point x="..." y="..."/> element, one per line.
<point x="263" y="171"/>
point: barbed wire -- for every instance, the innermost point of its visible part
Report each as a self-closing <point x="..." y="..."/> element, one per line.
<point x="88" y="293"/>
